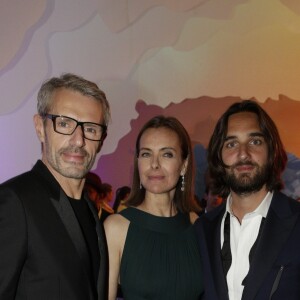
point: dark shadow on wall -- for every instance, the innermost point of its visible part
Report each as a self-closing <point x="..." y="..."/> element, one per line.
<point x="199" y="117"/>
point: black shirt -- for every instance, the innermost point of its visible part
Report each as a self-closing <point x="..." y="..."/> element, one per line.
<point x="88" y="227"/>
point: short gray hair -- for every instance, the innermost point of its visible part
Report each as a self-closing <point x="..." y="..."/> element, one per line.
<point x="71" y="82"/>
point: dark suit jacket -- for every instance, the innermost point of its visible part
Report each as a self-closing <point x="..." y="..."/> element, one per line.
<point x="275" y="269"/>
<point x="42" y="248"/>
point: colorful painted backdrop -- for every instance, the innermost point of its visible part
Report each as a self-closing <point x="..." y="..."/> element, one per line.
<point x="187" y="58"/>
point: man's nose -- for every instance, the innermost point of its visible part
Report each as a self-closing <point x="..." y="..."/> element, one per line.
<point x="78" y="136"/>
<point x="243" y="152"/>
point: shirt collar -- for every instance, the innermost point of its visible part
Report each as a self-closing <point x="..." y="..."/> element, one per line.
<point x="262" y="209"/>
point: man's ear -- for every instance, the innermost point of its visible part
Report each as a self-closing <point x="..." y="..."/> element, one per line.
<point x="39" y="127"/>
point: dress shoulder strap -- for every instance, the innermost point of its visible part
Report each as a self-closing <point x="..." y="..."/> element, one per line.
<point x="130" y="213"/>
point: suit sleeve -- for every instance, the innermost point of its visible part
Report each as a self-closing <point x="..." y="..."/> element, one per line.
<point x="13" y="242"/>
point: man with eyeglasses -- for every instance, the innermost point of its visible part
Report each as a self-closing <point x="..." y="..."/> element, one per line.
<point x="52" y="245"/>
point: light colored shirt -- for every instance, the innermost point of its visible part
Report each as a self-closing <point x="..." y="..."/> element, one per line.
<point x="242" y="238"/>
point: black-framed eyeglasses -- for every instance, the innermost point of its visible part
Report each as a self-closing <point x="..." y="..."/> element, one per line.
<point x="67" y="126"/>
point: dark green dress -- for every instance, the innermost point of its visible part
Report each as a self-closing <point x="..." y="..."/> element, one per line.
<point x="161" y="259"/>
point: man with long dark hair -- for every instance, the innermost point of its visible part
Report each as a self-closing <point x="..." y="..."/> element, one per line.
<point x="252" y="240"/>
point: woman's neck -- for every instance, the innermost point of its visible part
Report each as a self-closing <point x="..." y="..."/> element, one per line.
<point x="158" y="206"/>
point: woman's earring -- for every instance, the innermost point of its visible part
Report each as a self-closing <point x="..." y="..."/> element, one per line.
<point x="141" y="186"/>
<point x="182" y="183"/>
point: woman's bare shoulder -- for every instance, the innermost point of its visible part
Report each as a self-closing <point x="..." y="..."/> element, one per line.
<point x="116" y="223"/>
<point x="116" y="227"/>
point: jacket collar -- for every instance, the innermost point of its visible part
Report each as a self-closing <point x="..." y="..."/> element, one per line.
<point x="61" y="203"/>
<point x="47" y="179"/>
<point x="279" y="222"/>
<point x="278" y="225"/>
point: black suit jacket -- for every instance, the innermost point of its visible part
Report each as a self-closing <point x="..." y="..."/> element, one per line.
<point x="42" y="248"/>
<point x="275" y="269"/>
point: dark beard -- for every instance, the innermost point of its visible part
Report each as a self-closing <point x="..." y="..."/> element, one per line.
<point x="245" y="184"/>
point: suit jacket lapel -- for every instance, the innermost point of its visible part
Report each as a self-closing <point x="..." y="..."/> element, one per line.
<point x="64" y="209"/>
<point x="102" y="282"/>
<point x="213" y="238"/>
<point x="56" y="209"/>
<point x="67" y="216"/>
<point x="278" y="225"/>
